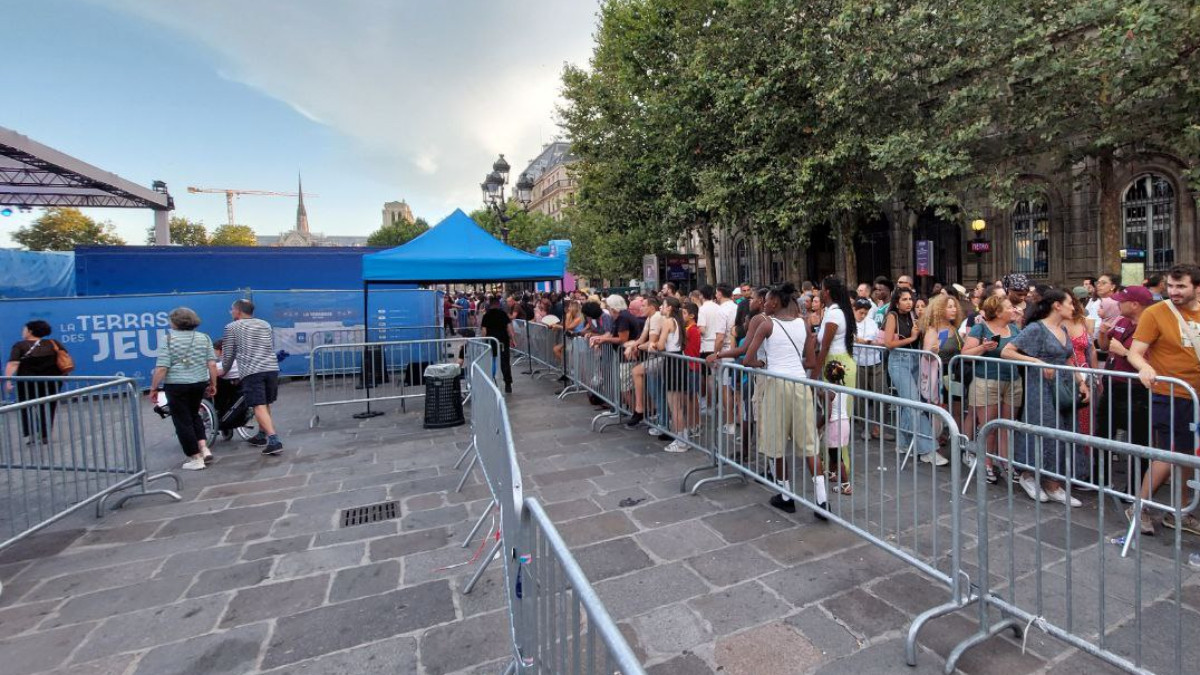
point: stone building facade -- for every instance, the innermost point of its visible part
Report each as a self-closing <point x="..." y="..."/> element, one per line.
<point x="1054" y="238"/>
<point x="553" y="187"/>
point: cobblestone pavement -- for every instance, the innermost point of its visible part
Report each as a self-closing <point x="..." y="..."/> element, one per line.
<point x="251" y="572"/>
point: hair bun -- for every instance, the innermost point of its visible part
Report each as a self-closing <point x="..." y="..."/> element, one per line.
<point x="787" y="288"/>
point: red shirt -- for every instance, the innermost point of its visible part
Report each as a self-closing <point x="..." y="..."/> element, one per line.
<point x="692" y="348"/>
<point x="1122" y="331"/>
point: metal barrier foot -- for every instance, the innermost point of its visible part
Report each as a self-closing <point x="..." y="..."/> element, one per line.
<point x="368" y="414"/>
<point x="483" y="565"/>
<point x="463" y="481"/>
<point x="478" y="524"/>
<point x="570" y="390"/>
<point x="721" y="475"/>
<point x="910" y="645"/>
<point x="173" y="494"/>
<point x="470" y="447"/>
<point x="976" y="639"/>
<point x="314" y="422"/>
<point x="608" y="418"/>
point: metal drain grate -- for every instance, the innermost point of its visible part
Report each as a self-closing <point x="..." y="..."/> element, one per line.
<point x="373" y="513"/>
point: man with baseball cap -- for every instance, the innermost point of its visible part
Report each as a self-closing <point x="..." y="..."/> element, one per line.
<point x="1126" y="403"/>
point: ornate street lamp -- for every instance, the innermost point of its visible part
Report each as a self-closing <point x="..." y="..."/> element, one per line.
<point x="492" y="188"/>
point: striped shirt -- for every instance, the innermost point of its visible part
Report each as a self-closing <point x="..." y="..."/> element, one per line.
<point x="186" y="355"/>
<point x="251" y="344"/>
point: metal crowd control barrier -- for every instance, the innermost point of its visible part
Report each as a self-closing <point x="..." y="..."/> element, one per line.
<point x="520" y="342"/>
<point x="67" y="443"/>
<point x="557" y="622"/>
<point x="366" y="372"/>
<point x="1076" y="589"/>
<point x="541" y="340"/>
<point x="1119" y="407"/>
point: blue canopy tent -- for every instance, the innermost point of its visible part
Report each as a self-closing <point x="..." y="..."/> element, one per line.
<point x="456" y="250"/>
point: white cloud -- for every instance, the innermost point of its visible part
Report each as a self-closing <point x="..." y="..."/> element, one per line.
<point x="427" y="92"/>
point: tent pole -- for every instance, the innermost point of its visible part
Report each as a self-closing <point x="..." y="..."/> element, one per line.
<point x="368" y="373"/>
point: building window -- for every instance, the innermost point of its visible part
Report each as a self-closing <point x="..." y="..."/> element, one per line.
<point x="1148" y="219"/>
<point x="1031" y="237"/>
<point x="742" y="261"/>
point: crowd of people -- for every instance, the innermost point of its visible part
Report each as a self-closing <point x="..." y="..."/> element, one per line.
<point x="1092" y="359"/>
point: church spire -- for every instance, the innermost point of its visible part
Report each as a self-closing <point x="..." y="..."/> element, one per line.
<point x="301" y="214"/>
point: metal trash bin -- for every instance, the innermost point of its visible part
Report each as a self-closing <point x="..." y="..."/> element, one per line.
<point x="443" y="396"/>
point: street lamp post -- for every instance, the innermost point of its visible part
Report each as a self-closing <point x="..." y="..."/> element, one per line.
<point x="978" y="226"/>
<point x="492" y="188"/>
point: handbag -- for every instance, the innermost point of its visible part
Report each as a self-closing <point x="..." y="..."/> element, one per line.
<point x="62" y="359"/>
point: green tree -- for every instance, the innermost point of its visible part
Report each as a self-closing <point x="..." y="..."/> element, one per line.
<point x="184" y="232"/>
<point x="62" y="229"/>
<point x="233" y="235"/>
<point x="398" y="233"/>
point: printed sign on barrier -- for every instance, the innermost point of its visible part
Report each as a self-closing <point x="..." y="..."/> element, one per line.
<point x="114" y="335"/>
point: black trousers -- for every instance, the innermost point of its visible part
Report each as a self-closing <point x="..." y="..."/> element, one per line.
<point x="37" y="420"/>
<point x="505" y="361"/>
<point x="184" y="400"/>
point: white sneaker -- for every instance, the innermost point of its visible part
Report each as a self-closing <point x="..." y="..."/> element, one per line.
<point x="653" y="430"/>
<point x="729" y="429"/>
<point x="1060" y="495"/>
<point x="676" y="446"/>
<point x="1194" y="561"/>
<point x="193" y="464"/>
<point x="934" y="458"/>
<point x="1032" y="488"/>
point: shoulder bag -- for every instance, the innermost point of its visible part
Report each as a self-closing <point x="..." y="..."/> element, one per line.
<point x="1185" y="330"/>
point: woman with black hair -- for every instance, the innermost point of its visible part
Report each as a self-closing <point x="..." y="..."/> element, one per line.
<point x="835" y="337"/>
<point x="902" y="336"/>
<point x="35" y="355"/>
<point x="1045" y="340"/>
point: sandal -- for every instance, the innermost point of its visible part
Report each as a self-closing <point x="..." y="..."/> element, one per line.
<point x="843" y="489"/>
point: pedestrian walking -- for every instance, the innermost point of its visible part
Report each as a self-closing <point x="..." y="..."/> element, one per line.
<point x="186" y="370"/>
<point x="35" y="355"/>
<point x="250" y="343"/>
<point x="497" y="324"/>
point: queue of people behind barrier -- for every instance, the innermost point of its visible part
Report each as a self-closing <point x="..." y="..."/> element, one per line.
<point x="1117" y="348"/>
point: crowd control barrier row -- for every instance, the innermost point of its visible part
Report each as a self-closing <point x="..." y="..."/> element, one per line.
<point x="1115" y="406"/>
<point x="557" y="622"/>
<point x="362" y="373"/>
<point x="1053" y="569"/>
<point x="67" y="443"/>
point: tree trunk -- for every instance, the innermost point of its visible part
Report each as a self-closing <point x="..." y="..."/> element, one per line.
<point x="707" y="246"/>
<point x="1110" y="214"/>
<point x="846" y="264"/>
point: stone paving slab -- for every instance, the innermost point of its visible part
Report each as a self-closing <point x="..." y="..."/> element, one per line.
<point x="251" y="573"/>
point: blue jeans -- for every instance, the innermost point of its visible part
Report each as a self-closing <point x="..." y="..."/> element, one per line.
<point x="904" y="369"/>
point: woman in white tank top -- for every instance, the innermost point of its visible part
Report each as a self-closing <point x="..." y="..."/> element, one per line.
<point x="785" y="408"/>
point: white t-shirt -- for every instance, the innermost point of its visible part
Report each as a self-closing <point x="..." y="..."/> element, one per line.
<point x="1092" y="309"/>
<point x="834" y="315"/>
<point x="710" y="320"/>
<point x="729" y="311"/>
<point x="864" y="356"/>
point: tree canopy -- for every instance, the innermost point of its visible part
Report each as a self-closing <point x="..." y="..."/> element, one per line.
<point x="184" y="232"/>
<point x="233" y="235"/>
<point x="775" y="116"/>
<point x="397" y="233"/>
<point x="62" y="229"/>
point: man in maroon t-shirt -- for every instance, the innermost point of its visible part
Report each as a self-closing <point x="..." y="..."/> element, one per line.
<point x="1127" y="407"/>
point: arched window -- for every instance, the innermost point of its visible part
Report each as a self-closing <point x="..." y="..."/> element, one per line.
<point x="741" y="257"/>
<point x="1148" y="219"/>
<point x="1031" y="237"/>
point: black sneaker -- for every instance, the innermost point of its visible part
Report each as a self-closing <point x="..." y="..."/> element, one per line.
<point x="821" y="516"/>
<point x="784" y="504"/>
<point x="635" y="420"/>
<point x="273" y="448"/>
<point x="258" y="440"/>
<point x="664" y="437"/>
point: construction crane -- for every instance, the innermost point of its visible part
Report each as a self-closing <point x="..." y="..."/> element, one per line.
<point x="232" y="195"/>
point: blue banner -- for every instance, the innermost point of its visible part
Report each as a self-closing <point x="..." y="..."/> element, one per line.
<point x="305" y="319"/>
<point x="115" y="335"/>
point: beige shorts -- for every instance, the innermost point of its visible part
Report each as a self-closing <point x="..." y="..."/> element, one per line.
<point x="987" y="393"/>
<point x="785" y="413"/>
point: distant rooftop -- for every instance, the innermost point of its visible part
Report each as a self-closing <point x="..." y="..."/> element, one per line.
<point x="558" y="152"/>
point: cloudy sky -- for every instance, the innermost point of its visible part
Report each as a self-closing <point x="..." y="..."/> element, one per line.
<point x="372" y="100"/>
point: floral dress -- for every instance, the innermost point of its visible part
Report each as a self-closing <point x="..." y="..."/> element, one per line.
<point x="1041" y="407"/>
<point x="1080" y="344"/>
